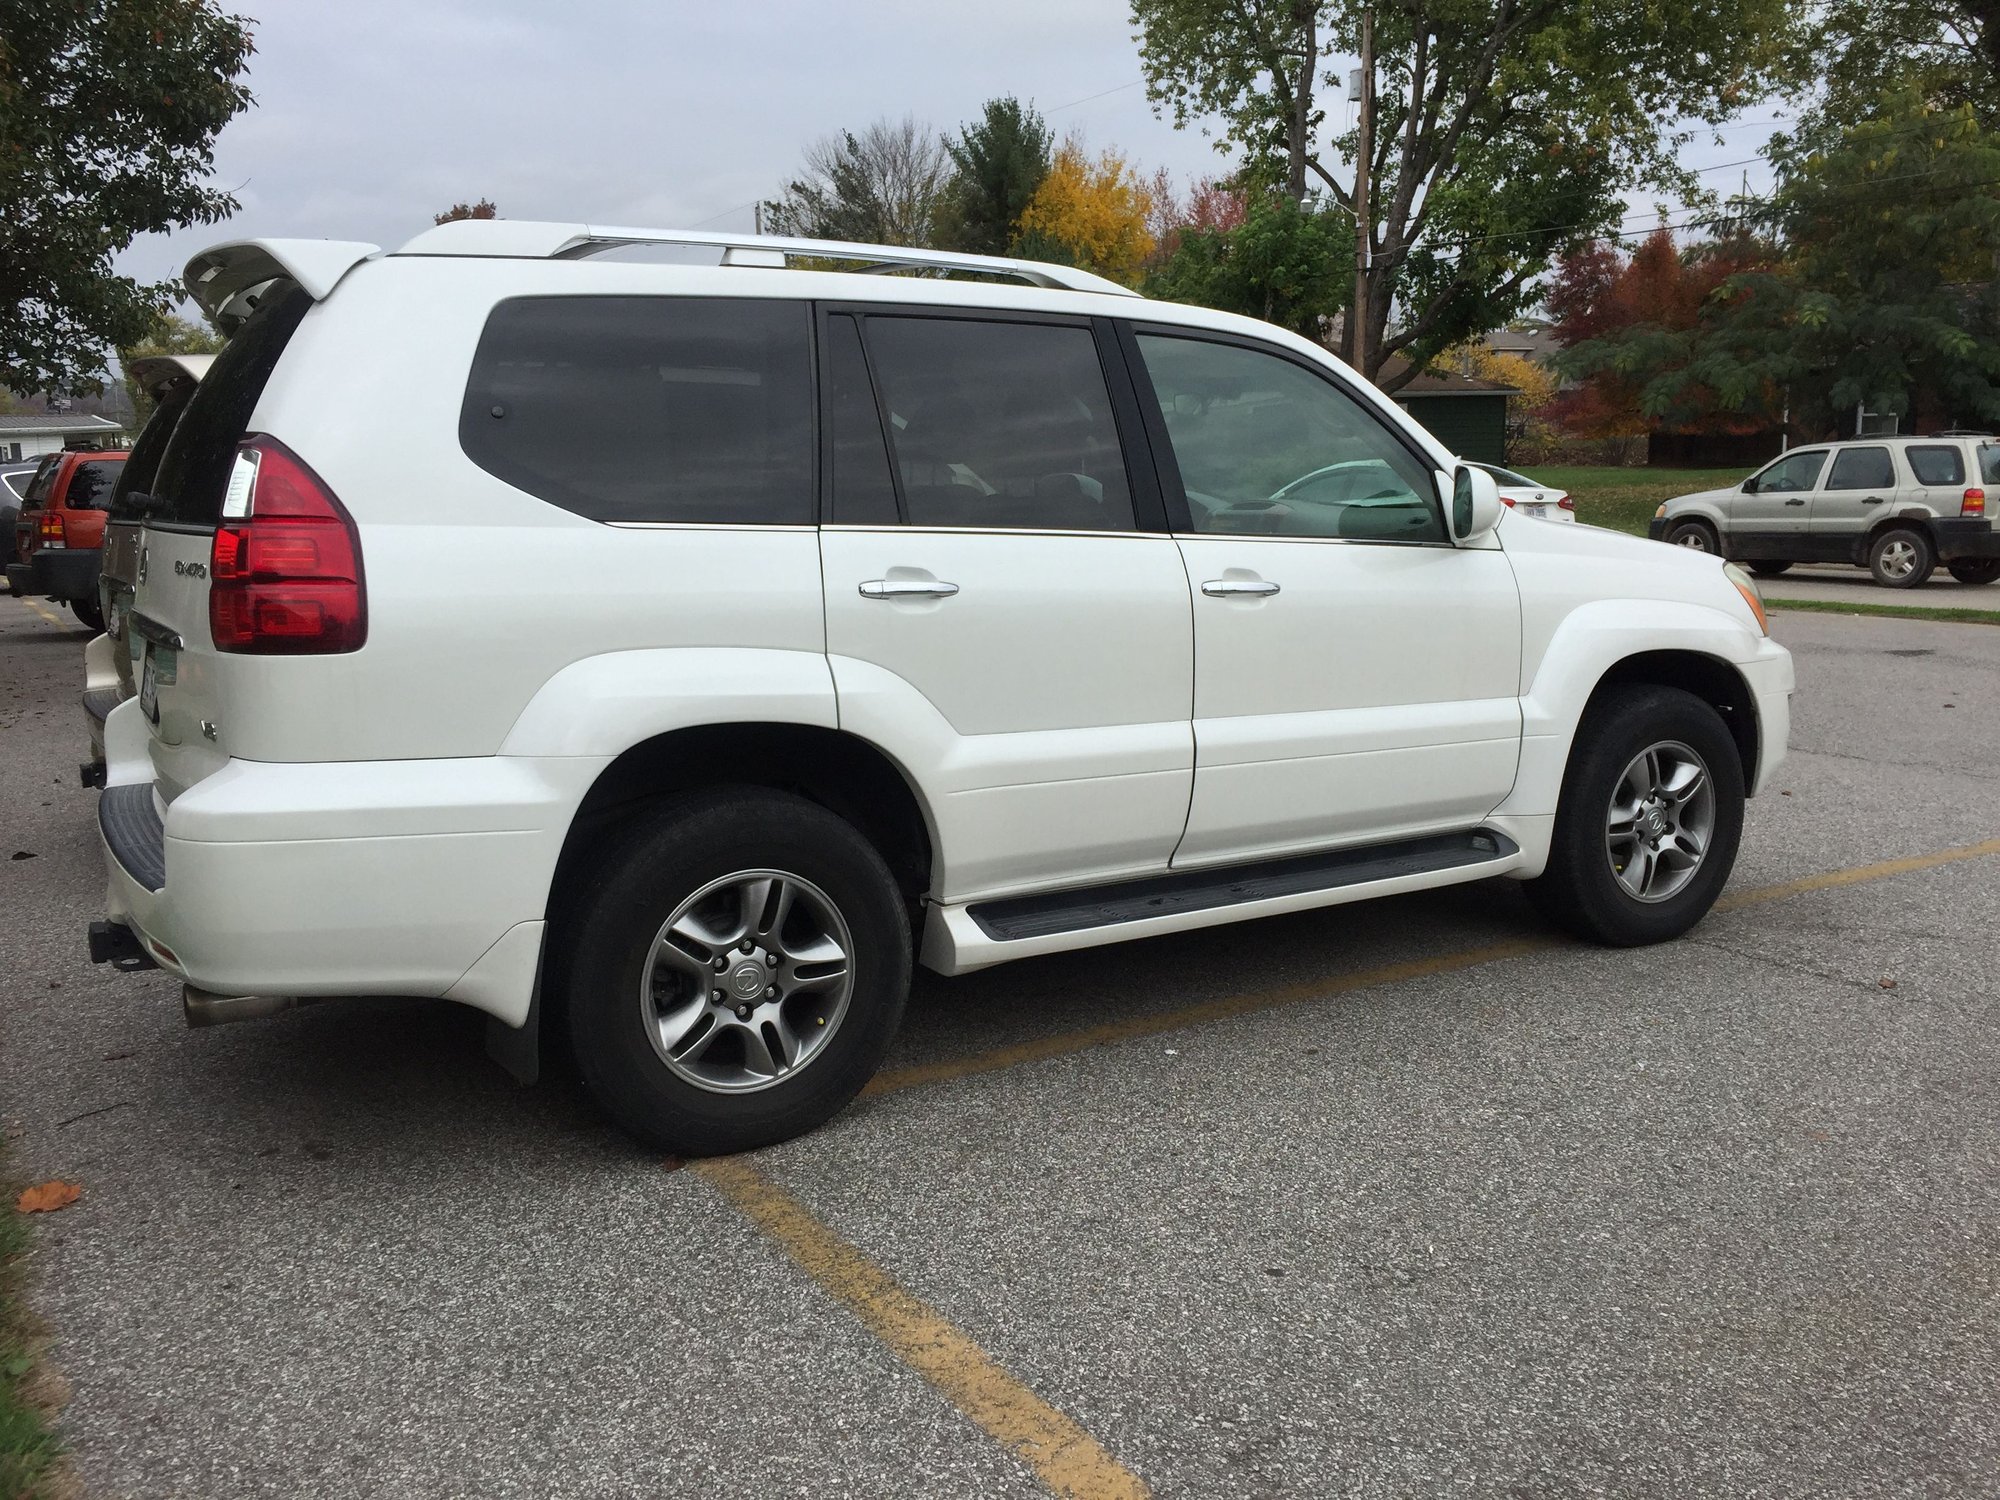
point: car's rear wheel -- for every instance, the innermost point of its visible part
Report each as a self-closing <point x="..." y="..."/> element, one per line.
<point x="1901" y="558"/>
<point x="87" y="611"/>
<point x="1770" y="569"/>
<point x="734" y="971"/>
<point x="1975" y="569"/>
<point x="1649" y="819"/>
<point x="1696" y="536"/>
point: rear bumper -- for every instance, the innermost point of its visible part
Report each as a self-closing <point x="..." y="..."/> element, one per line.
<point x="62" y="574"/>
<point x="1961" y="537"/>
<point x="376" y="878"/>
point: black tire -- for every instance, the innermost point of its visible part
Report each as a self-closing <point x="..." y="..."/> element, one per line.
<point x="1975" y="569"/>
<point x="1901" y="557"/>
<point x="607" y="940"/>
<point x="1697" y="536"/>
<point x="87" y="611"/>
<point x="1580" y="890"/>
<point x="9" y="514"/>
<point x="1770" y="569"/>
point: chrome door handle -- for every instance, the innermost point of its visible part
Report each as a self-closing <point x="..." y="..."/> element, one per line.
<point x="1795" y="502"/>
<point x="1223" y="588"/>
<point x="1872" y="500"/>
<point x="907" y="588"/>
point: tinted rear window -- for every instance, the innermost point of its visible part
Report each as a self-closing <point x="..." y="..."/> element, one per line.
<point x="90" y="484"/>
<point x="1861" y="469"/>
<point x="1939" y="465"/>
<point x="136" y="474"/>
<point x="648" y="408"/>
<point x="1989" y="463"/>
<point x="194" y="471"/>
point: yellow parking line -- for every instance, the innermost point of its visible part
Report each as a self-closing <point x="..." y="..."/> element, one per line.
<point x="36" y="606"/>
<point x="1065" y="1457"/>
<point x="1065" y="1043"/>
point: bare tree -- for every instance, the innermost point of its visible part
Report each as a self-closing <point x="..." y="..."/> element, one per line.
<point x="884" y="186"/>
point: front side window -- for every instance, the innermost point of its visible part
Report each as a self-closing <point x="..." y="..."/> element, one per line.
<point x="1000" y="424"/>
<point x="1792" y="474"/>
<point x="1936" y="465"/>
<point x="643" y="409"/>
<point x="1862" y="469"/>
<point x="1266" y="446"/>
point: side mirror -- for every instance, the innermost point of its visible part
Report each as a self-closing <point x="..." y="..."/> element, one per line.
<point x="1475" y="503"/>
<point x="1750" y="485"/>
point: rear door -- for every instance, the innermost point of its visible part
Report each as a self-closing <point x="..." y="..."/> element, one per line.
<point x="1859" y="490"/>
<point x="1005" y="613"/>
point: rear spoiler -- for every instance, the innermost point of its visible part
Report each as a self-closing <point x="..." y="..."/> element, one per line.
<point x="227" y="280"/>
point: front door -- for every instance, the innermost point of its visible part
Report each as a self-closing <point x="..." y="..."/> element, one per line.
<point x="1769" y="518"/>
<point x="1000" y="616"/>
<point x="1357" y="676"/>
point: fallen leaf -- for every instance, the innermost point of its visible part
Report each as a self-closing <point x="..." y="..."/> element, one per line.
<point x="47" y="1197"/>
<point x="22" y="854"/>
<point x="672" y="1163"/>
<point x="1887" y="984"/>
<point x="1784" y="794"/>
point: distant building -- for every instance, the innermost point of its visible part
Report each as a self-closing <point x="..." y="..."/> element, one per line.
<point x="30" y="434"/>
<point x="1465" y="413"/>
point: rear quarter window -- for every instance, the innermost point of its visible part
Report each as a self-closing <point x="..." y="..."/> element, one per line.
<point x="648" y="409"/>
<point x="142" y="465"/>
<point x="1939" y="464"/>
<point x="90" y="484"/>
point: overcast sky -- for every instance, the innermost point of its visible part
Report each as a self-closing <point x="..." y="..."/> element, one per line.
<point x="373" y="115"/>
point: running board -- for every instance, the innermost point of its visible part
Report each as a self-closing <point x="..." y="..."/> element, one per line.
<point x="1023" y="918"/>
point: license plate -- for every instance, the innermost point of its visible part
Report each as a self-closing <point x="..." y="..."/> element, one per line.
<point x="161" y="669"/>
<point x="1539" y="512"/>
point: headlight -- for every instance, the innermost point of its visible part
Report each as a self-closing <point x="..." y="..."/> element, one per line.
<point x="1747" y="587"/>
<point x="1661" y="513"/>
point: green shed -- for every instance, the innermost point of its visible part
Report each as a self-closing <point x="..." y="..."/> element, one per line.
<point x="1468" y="415"/>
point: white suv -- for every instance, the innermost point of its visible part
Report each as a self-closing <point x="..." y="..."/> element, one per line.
<point x="677" y="653"/>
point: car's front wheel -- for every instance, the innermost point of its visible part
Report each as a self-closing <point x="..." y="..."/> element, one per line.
<point x="87" y="611"/>
<point x="1696" y="536"/>
<point x="734" y="971"/>
<point x="1649" y="819"/>
<point x="1976" y="569"/>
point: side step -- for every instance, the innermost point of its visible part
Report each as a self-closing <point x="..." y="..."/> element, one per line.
<point x="1021" y="917"/>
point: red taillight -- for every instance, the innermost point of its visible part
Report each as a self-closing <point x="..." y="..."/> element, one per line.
<point x="1974" y="503"/>
<point x="286" y="579"/>
<point x="1506" y="502"/>
<point x="1563" y="502"/>
<point x="51" y="528"/>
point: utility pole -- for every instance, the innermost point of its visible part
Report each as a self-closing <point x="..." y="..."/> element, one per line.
<point x="757" y="216"/>
<point x="1364" y="154"/>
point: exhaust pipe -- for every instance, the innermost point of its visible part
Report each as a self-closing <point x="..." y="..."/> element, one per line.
<point x="203" y="1009"/>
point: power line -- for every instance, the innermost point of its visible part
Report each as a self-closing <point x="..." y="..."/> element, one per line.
<point x="1106" y="94"/>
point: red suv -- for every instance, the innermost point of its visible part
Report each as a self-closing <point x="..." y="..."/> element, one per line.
<point x="59" y="538"/>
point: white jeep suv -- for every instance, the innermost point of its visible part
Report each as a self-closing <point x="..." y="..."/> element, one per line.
<point x="678" y="653"/>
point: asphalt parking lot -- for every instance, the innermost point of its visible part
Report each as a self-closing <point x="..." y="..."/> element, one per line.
<point x="1404" y="1199"/>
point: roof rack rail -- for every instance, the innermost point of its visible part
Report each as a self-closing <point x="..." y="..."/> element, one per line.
<point x="536" y="241"/>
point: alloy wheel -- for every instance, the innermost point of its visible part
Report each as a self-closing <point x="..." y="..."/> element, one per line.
<point x="1661" y="818"/>
<point x="747" y="981"/>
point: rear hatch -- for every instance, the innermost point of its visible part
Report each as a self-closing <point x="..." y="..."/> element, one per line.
<point x="181" y="681"/>
<point x="170" y="380"/>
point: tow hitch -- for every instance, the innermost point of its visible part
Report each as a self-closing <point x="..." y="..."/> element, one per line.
<point x="118" y="945"/>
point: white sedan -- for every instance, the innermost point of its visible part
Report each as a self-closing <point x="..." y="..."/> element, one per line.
<point x="1542" y="501"/>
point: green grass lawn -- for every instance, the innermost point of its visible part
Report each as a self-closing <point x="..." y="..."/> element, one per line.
<point x="1625" y="499"/>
